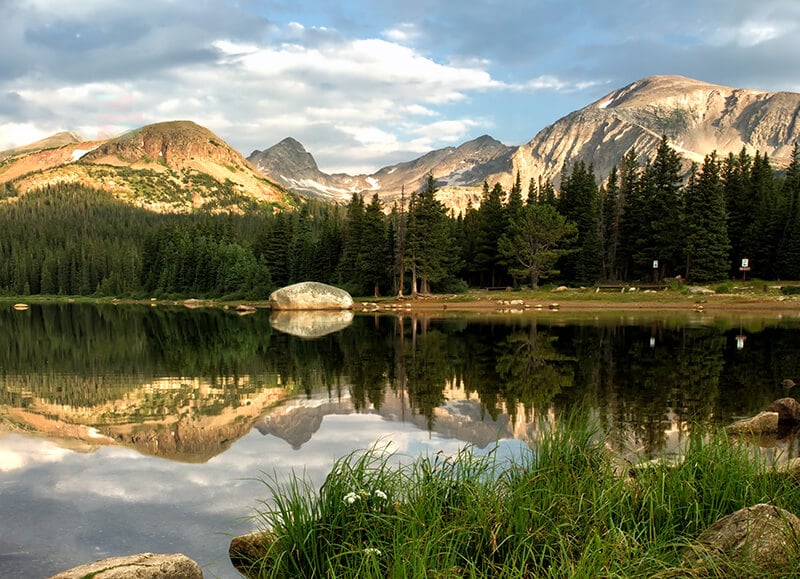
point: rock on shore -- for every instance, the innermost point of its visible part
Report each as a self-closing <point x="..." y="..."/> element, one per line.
<point x="310" y="295"/>
<point x="141" y="566"/>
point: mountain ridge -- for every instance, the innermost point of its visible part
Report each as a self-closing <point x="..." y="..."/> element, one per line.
<point x="696" y="116"/>
<point x="174" y="166"/>
<point x="181" y="166"/>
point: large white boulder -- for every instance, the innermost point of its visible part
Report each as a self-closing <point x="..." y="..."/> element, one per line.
<point x="310" y="295"/>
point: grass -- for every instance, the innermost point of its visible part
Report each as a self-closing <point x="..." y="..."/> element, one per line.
<point x="563" y="510"/>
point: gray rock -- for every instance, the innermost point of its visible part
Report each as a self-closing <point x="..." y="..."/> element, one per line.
<point x="310" y="295"/>
<point x="310" y="324"/>
<point x="763" y="535"/>
<point x="141" y="566"/>
<point x="697" y="290"/>
<point x="761" y="423"/>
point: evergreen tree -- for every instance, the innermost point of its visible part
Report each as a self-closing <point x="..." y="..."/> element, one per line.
<point x="351" y="245"/>
<point x="399" y="218"/>
<point x="707" y="245"/>
<point x="612" y="218"/>
<point x="788" y="251"/>
<point x="547" y="193"/>
<point x="303" y="264"/>
<point x="579" y="204"/>
<point x="533" y="193"/>
<point x="428" y="242"/>
<point x="536" y="239"/>
<point x="491" y="224"/>
<point x="663" y="203"/>
<point x="374" y="257"/>
<point x="272" y="248"/>
<point x="767" y="220"/>
<point x="741" y="205"/>
<point x="514" y="204"/>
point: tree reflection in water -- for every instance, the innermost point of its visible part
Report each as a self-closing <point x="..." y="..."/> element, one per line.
<point x="644" y="378"/>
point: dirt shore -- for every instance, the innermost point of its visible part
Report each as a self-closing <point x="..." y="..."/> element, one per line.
<point x="585" y="301"/>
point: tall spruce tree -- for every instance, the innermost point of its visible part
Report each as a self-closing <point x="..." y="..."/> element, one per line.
<point x="788" y="251"/>
<point x="741" y="205"/>
<point x="428" y="242"/>
<point x="491" y="225"/>
<point x="349" y="275"/>
<point x="662" y="185"/>
<point x="707" y="245"/>
<point x="767" y="221"/>
<point x="579" y="203"/>
<point x="374" y="257"/>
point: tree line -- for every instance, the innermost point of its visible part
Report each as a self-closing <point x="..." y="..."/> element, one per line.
<point x="644" y="223"/>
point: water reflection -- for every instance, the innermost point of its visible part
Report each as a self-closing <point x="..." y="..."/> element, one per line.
<point x="310" y="324"/>
<point x="185" y="384"/>
<point x="114" y="390"/>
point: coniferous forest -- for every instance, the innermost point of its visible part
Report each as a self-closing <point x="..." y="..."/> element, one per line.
<point x="645" y="223"/>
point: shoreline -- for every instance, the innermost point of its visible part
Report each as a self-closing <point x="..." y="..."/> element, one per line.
<point x="508" y="301"/>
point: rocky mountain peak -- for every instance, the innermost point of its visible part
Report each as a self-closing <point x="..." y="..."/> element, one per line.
<point x="174" y="144"/>
<point x="697" y="117"/>
<point x="288" y="157"/>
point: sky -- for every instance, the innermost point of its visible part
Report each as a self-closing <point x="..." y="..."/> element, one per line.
<point x="365" y="84"/>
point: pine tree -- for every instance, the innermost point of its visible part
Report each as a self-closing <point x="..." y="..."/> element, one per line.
<point x="788" y="251"/>
<point x="707" y="245"/>
<point x="428" y="239"/>
<point x="579" y="204"/>
<point x="374" y="257"/>
<point x="663" y="203"/>
<point x="400" y="219"/>
<point x="741" y="205"/>
<point x="351" y="245"/>
<point x="612" y="218"/>
<point x="491" y="225"/>
<point x="536" y="239"/>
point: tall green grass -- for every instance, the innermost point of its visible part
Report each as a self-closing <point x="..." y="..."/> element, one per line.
<point x="562" y="510"/>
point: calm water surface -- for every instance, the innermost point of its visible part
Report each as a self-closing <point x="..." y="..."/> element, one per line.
<point x="131" y="429"/>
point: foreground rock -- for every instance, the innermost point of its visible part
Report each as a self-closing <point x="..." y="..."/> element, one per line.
<point x="783" y="414"/>
<point x="310" y="324"/>
<point x="761" y="423"/>
<point x="310" y="295"/>
<point x="763" y="535"/>
<point x="141" y="566"/>
<point x="788" y="410"/>
<point x="246" y="551"/>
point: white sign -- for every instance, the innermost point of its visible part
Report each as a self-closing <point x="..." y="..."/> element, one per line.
<point x="745" y="262"/>
<point x="655" y="264"/>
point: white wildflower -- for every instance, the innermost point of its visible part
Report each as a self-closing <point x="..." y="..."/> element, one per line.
<point x="380" y="494"/>
<point x="350" y="498"/>
<point x="372" y="551"/>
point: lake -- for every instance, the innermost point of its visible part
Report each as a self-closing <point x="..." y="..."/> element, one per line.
<point x="126" y="429"/>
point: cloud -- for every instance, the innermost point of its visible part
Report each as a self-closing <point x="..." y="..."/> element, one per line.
<point x="353" y="80"/>
<point x="19" y="453"/>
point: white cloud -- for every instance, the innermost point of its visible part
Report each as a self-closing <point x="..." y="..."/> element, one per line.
<point x="18" y="453"/>
<point x="403" y="33"/>
<point x="748" y="33"/>
<point x="553" y="83"/>
<point x="16" y="134"/>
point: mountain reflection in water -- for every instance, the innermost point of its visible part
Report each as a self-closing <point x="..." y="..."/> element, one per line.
<point x="227" y="396"/>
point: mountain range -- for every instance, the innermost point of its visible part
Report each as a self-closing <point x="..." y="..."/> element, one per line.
<point x="697" y="118"/>
<point x="179" y="166"/>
